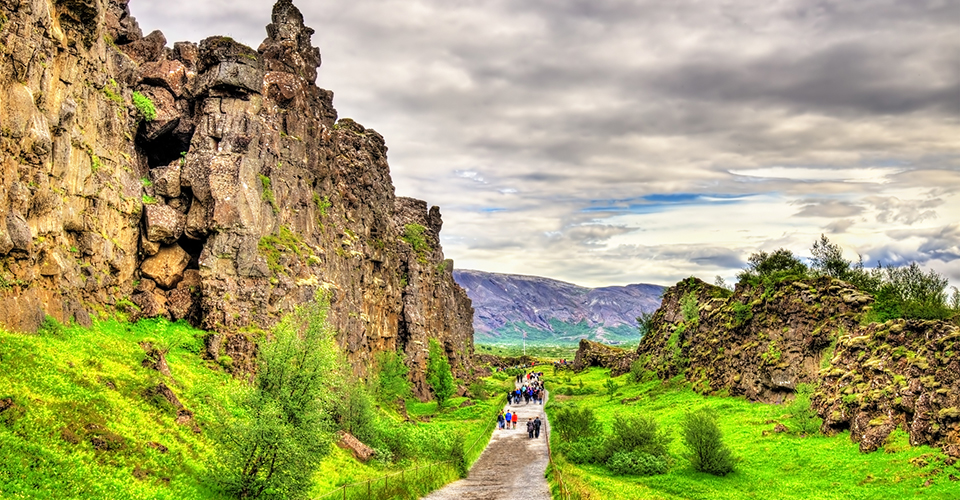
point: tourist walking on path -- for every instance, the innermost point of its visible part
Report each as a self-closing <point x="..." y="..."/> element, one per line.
<point x="536" y="427"/>
<point x="500" y="420"/>
<point x="515" y="420"/>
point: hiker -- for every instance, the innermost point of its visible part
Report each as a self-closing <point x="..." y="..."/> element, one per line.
<point x="536" y="427"/>
<point x="507" y="418"/>
<point x="530" y="428"/>
<point x="515" y="420"/>
<point x="500" y="420"/>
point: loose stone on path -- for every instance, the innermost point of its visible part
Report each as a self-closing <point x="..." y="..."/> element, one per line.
<point x="511" y="467"/>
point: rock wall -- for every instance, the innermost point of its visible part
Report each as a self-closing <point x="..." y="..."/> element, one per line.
<point x="762" y="342"/>
<point x="591" y="353"/>
<point x="756" y="342"/>
<point x="897" y="374"/>
<point x="234" y="199"/>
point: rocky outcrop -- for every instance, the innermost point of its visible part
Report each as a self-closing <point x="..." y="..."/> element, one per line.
<point x="595" y="354"/>
<point x="762" y="342"/>
<point x="902" y="374"/>
<point x="759" y="342"/>
<point x="210" y="182"/>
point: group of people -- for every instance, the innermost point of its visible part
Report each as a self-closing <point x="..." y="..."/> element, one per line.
<point x="529" y="387"/>
<point x="508" y="420"/>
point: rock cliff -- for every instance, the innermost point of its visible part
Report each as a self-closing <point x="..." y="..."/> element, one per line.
<point x="762" y="342"/>
<point x="209" y="182"/>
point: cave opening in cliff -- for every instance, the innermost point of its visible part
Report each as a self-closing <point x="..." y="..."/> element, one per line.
<point x="165" y="149"/>
<point x="193" y="247"/>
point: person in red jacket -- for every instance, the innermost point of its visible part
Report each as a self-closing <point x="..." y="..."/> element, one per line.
<point x="514" y="420"/>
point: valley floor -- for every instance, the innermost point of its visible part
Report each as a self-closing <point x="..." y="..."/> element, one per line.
<point x="771" y="465"/>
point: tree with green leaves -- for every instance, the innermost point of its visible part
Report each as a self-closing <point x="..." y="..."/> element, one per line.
<point x="439" y="374"/>
<point x="391" y="380"/>
<point x="271" y="446"/>
<point x="779" y="264"/>
<point x="828" y="259"/>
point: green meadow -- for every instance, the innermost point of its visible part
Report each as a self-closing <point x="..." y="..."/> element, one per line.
<point x="79" y="418"/>
<point x="770" y="465"/>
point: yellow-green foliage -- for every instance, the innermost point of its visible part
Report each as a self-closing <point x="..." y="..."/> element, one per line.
<point x="273" y="246"/>
<point x="145" y="106"/>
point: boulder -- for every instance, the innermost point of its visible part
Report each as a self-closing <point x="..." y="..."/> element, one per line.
<point x="168" y="113"/>
<point x="360" y="451"/>
<point x="166" y="180"/>
<point x="171" y="75"/>
<point x="146" y="49"/>
<point x="164" y="224"/>
<point x="167" y="266"/>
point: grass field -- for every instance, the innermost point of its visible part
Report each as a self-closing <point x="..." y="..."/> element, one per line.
<point x="772" y="466"/>
<point x="78" y="418"/>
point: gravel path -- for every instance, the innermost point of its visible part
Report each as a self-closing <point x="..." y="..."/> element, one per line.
<point x="511" y="467"/>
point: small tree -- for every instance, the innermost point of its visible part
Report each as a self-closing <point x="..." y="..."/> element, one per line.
<point x="439" y="374"/>
<point x="391" y="380"/>
<point x="272" y="445"/>
<point x="828" y="259"/>
<point x="777" y="265"/>
<point x="704" y="442"/>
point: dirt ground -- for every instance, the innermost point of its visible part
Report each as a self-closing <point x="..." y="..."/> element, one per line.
<point x="511" y="467"/>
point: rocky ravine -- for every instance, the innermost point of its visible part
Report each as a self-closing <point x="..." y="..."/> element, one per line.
<point x="241" y="198"/>
<point x="763" y="342"/>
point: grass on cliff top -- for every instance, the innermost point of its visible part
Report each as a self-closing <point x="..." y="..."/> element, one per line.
<point x="780" y="466"/>
<point x="83" y="423"/>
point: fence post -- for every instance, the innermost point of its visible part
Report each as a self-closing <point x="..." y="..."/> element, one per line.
<point x="368" y="488"/>
<point x="344" y="492"/>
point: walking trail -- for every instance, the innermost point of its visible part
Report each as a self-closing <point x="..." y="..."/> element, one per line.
<point x="511" y="467"/>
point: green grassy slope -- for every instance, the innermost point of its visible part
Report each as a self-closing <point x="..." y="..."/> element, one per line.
<point x="79" y="419"/>
<point x="781" y="466"/>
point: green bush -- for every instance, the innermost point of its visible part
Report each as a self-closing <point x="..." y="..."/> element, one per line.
<point x="638" y="433"/>
<point x="145" y="106"/>
<point x="704" y="443"/>
<point x="272" y="445"/>
<point x="587" y="450"/>
<point x="391" y="380"/>
<point x="573" y="424"/>
<point x="636" y="463"/>
<point x="803" y="419"/>
<point x="773" y="267"/>
<point x="439" y="374"/>
<point x="689" y="307"/>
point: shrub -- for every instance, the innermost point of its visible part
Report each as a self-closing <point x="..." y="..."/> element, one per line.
<point x="587" y="450"/>
<point x="645" y="323"/>
<point x="145" y="106"/>
<point x="704" y="442"/>
<point x="573" y="424"/>
<point x="772" y="267"/>
<point x="803" y="419"/>
<point x="636" y="463"/>
<point x="828" y="259"/>
<point x="273" y="443"/>
<point x="439" y="375"/>
<point x="638" y="433"/>
<point x="391" y="379"/>
<point x="741" y="313"/>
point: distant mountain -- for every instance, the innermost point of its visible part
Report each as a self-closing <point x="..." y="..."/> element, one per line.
<point x="553" y="312"/>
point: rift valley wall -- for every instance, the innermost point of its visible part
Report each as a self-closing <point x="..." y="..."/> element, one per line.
<point x="237" y="201"/>
<point x="762" y="342"/>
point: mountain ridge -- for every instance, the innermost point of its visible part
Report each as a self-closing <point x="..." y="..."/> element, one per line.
<point x="551" y="309"/>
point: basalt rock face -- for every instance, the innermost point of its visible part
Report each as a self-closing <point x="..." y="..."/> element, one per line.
<point x="241" y="198"/>
<point x="902" y="374"/>
<point x="756" y="342"/>
<point x="762" y="342"/>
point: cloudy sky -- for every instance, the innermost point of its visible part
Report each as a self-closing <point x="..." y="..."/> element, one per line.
<point x="608" y="142"/>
